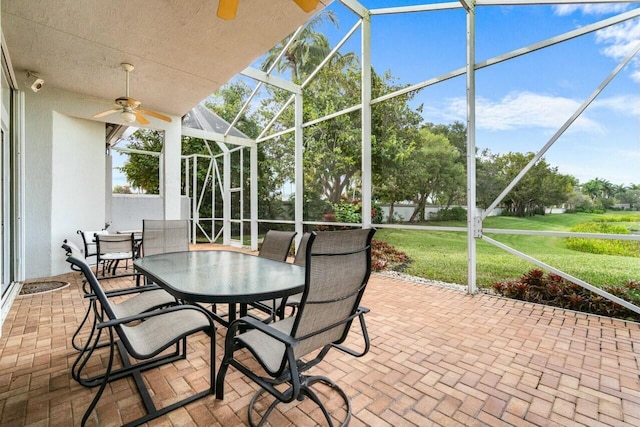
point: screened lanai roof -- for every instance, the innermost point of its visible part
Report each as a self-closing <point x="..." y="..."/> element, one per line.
<point x="202" y="118"/>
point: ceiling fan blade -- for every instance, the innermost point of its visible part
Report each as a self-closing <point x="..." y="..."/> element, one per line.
<point x="106" y="113"/>
<point x="227" y="9"/>
<point x="142" y="119"/>
<point x="307" y="5"/>
<point x="154" y="114"/>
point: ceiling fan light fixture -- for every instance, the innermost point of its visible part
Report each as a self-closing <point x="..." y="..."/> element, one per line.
<point x="307" y="5"/>
<point x="227" y="9"/>
<point x="128" y="116"/>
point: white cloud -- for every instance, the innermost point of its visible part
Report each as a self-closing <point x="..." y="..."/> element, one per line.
<point x="619" y="39"/>
<point x="621" y="105"/>
<point x="520" y="110"/>
<point x="589" y="9"/>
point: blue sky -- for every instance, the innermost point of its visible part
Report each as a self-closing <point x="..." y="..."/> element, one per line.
<point x="521" y="103"/>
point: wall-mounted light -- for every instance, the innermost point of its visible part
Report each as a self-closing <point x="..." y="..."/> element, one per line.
<point x="36" y="82"/>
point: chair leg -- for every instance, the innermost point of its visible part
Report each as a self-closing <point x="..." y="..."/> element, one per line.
<point x="305" y="391"/>
<point x="94" y="402"/>
<point x="85" y="353"/>
<point x="84" y="320"/>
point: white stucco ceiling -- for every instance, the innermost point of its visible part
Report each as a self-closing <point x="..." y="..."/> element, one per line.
<point x="181" y="50"/>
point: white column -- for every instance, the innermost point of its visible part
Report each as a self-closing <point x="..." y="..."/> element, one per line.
<point x="366" y="120"/>
<point x="108" y="188"/>
<point x="171" y="175"/>
<point x="474" y="221"/>
<point x="253" y="188"/>
<point x="226" y="198"/>
<point x="298" y="169"/>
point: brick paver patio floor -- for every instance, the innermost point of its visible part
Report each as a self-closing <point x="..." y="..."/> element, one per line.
<point x="439" y="357"/>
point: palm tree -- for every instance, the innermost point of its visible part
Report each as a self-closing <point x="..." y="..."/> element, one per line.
<point x="306" y="52"/>
<point x="608" y="189"/>
<point x="592" y="188"/>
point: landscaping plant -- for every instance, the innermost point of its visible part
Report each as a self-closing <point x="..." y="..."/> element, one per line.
<point x="551" y="289"/>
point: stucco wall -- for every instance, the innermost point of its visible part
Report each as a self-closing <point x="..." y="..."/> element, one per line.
<point x="64" y="160"/>
<point x="77" y="182"/>
<point x="64" y="167"/>
<point x="128" y="210"/>
<point x="402" y="212"/>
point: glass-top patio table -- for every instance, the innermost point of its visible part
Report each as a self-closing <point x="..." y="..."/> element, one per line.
<point x="222" y="277"/>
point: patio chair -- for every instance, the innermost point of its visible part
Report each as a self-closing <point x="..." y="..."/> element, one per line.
<point x="275" y="245"/>
<point x="144" y="337"/>
<point x="162" y="236"/>
<point x="113" y="248"/>
<point x="294" y="300"/>
<point x="301" y="253"/>
<point x="338" y="265"/>
<point x="300" y="259"/>
<point x="141" y="299"/>
<point x="89" y="241"/>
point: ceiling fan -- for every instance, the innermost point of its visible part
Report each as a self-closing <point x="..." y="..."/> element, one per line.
<point x="129" y="108"/>
<point x="227" y="8"/>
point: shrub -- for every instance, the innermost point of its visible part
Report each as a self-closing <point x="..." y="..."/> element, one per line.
<point x="376" y="213"/>
<point x="386" y="257"/>
<point x="603" y="246"/>
<point x="551" y="289"/>
<point x="347" y="212"/>
<point x="351" y="212"/>
<point x="455" y="213"/>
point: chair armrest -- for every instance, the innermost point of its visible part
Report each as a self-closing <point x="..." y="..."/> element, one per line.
<point x="262" y="327"/>
<point x="125" y="291"/>
<point x="134" y="290"/>
<point x="149" y="314"/>
<point x="360" y="312"/>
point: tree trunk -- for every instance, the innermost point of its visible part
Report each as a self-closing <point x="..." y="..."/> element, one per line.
<point x="418" y="211"/>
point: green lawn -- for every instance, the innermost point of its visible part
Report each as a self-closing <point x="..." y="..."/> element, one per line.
<point x="443" y="255"/>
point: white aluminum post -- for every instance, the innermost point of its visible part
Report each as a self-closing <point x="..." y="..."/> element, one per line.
<point x="474" y="227"/>
<point x="226" y="198"/>
<point x="194" y="202"/>
<point x="366" y="120"/>
<point x="187" y="165"/>
<point x="298" y="169"/>
<point x="108" y="190"/>
<point x="240" y="191"/>
<point x="253" y="194"/>
<point x="170" y="174"/>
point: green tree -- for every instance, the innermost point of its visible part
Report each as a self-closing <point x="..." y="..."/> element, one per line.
<point x="456" y="134"/>
<point x="631" y="196"/>
<point x="306" y="52"/>
<point x="227" y="101"/>
<point x="541" y="186"/>
<point x="142" y="170"/>
<point x="489" y="179"/>
<point x="432" y="167"/>
<point x="394" y="130"/>
<point x="333" y="147"/>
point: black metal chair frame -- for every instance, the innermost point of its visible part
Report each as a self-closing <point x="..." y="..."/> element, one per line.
<point x="106" y="319"/>
<point x="292" y="370"/>
<point x="72" y="250"/>
<point x="109" y="264"/>
<point x="277" y="251"/>
<point x="88" y="244"/>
